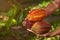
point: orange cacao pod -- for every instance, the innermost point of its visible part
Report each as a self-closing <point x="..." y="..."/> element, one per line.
<point x="36" y="15"/>
<point x="41" y="27"/>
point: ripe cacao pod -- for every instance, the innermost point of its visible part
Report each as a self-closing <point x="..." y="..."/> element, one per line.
<point x="41" y="27"/>
<point x="28" y="24"/>
<point x="36" y="15"/>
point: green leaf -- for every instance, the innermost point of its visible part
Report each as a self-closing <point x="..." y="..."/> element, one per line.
<point x="13" y="11"/>
<point x="22" y="16"/>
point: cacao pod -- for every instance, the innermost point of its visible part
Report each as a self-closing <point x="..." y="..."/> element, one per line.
<point x="36" y="15"/>
<point x="28" y="24"/>
<point x="41" y="27"/>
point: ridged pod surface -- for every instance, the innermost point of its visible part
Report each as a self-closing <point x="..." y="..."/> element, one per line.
<point x="36" y="15"/>
<point x="41" y="27"/>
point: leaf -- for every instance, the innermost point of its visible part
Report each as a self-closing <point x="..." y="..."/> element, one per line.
<point x="22" y="16"/>
<point x="13" y="11"/>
